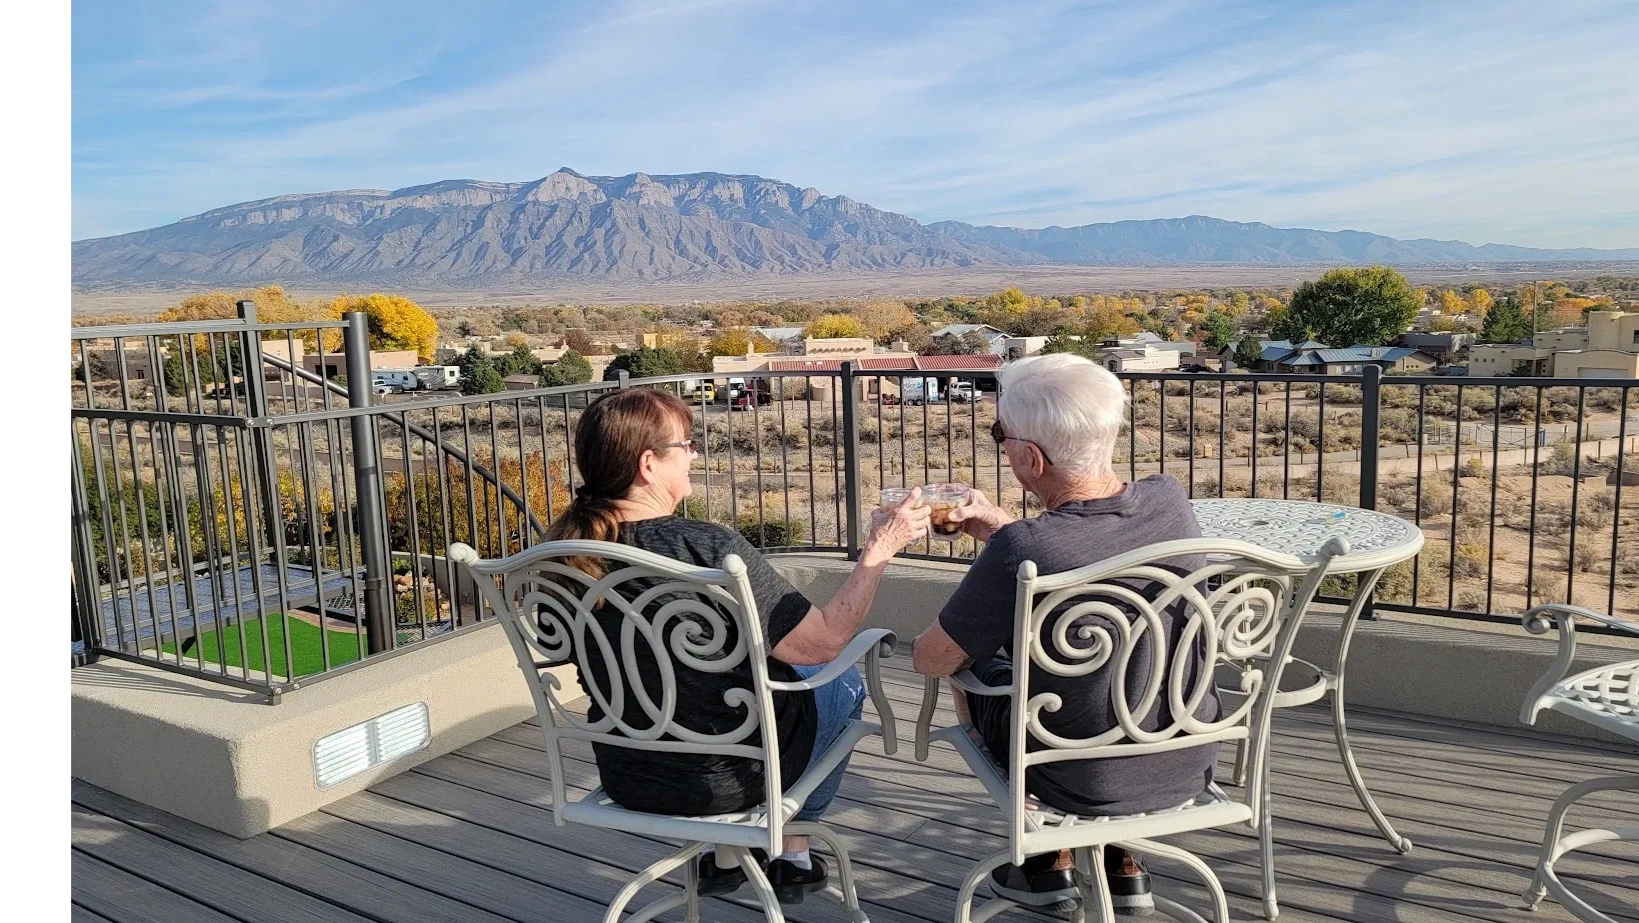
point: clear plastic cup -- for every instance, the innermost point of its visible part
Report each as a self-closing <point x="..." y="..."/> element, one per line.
<point x="941" y="499"/>
<point x="892" y="497"/>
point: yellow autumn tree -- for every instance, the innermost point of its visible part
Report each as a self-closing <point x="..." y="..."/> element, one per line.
<point x="1452" y="303"/>
<point x="734" y="341"/>
<point x="1480" y="301"/>
<point x="273" y="306"/>
<point x="832" y="326"/>
<point x="881" y="318"/>
<point x="396" y="322"/>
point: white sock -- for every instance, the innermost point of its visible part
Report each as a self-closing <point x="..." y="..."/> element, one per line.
<point x="799" y="859"/>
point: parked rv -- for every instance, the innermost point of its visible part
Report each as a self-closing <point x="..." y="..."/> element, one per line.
<point x="438" y="377"/>
<point x="402" y="379"/>
<point x="919" y="390"/>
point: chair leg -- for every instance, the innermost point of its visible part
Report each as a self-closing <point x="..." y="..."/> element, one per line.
<point x="970" y="884"/>
<point x="1094" y="883"/>
<point x="845" y="868"/>
<point x="1556" y="826"/>
<point x="1220" y="901"/>
<point x="691" y="894"/>
<point x="759" y="884"/>
<point x="649" y="876"/>
<point x="1237" y="776"/>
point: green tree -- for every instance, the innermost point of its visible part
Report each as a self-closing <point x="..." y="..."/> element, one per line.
<point x="570" y="369"/>
<point x="972" y="343"/>
<point x="518" y="362"/>
<point x="1216" y="331"/>
<point x="644" y="362"/>
<point x="1080" y="346"/>
<point x="485" y="379"/>
<point x="1344" y="307"/>
<point x="1247" y="352"/>
<point x="1507" y="321"/>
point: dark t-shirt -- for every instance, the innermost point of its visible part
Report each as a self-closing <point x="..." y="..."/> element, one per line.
<point x="980" y="618"/>
<point x="690" y="784"/>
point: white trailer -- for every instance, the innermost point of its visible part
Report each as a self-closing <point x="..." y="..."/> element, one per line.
<point x="438" y="377"/>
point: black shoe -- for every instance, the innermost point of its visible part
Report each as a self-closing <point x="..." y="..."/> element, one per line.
<point x="1037" y="884"/>
<point x="1129" y="884"/>
<point x="714" y="880"/>
<point x="792" y="883"/>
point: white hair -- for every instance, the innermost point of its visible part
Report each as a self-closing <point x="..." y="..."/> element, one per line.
<point x="1069" y="406"/>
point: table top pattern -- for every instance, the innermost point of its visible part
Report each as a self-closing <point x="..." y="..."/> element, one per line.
<point x="1300" y="527"/>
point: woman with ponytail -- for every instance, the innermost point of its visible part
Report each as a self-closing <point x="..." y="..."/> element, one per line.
<point x="634" y="449"/>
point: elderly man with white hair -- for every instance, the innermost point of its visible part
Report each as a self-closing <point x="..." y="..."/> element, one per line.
<point x="1058" y="420"/>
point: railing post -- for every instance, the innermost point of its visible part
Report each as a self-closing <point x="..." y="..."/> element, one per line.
<point x="1371" y="405"/>
<point x="623" y="379"/>
<point x="850" y="461"/>
<point x="250" y="364"/>
<point x="378" y="603"/>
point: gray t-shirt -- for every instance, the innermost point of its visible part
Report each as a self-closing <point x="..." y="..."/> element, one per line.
<point x="979" y="618"/>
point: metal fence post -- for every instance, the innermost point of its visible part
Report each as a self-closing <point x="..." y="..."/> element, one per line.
<point x="623" y="379"/>
<point x="850" y="460"/>
<point x="1371" y="405"/>
<point x="250" y="363"/>
<point x="378" y="603"/>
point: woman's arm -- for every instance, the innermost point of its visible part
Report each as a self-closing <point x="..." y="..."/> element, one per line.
<point x="826" y="630"/>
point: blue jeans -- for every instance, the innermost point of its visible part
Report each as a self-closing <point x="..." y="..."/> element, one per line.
<point x="838" y="702"/>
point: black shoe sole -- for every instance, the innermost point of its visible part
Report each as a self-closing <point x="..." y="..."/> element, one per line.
<point x="794" y="894"/>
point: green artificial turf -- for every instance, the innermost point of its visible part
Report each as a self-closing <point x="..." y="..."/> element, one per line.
<point x="305" y="651"/>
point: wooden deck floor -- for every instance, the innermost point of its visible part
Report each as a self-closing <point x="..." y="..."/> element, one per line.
<point x="468" y="837"/>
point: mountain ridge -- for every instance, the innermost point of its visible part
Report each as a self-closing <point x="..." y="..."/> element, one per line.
<point x="681" y="227"/>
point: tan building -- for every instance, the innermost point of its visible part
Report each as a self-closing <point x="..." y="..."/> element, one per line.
<point x="335" y="363"/>
<point x="1607" y="348"/>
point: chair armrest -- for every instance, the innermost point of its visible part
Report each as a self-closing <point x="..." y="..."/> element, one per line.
<point x="1537" y="621"/>
<point x="963" y="680"/>
<point x="870" y="645"/>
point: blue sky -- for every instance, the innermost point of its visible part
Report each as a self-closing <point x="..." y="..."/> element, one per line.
<point x="1487" y="122"/>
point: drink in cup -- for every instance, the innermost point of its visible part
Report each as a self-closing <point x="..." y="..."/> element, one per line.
<point x="941" y="500"/>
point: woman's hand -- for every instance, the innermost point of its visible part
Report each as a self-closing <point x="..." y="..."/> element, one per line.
<point x="892" y="529"/>
<point x="979" y="517"/>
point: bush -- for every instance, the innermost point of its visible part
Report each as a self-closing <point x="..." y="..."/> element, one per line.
<point x="1471" y="561"/>
<point x="1562" y="460"/>
<point x="773" y="533"/>
<point x="1474" y="468"/>
<point x="1435" y="502"/>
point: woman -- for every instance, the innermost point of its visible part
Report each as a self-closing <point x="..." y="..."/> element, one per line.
<point x="634" y="451"/>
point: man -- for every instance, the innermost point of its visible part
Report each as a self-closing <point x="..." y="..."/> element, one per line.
<point x="1058" y="419"/>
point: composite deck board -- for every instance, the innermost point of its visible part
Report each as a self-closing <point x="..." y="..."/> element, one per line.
<point x="469" y="836"/>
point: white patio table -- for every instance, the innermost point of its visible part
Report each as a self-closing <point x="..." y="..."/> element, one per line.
<point x="1377" y="541"/>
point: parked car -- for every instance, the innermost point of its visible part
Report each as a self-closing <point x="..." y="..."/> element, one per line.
<point x="382" y="387"/>
<point x="962" y="391"/>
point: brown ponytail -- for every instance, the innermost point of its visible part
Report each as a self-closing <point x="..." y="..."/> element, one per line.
<point x="610" y="441"/>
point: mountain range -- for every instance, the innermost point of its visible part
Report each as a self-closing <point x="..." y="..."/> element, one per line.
<point x="698" y="226"/>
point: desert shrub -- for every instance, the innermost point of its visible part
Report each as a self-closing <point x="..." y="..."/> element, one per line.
<point x="1342" y="489"/>
<point x="1587" y="557"/>
<point x="1271" y="485"/>
<point x="1440" y="403"/>
<point x="1471" y="601"/>
<point x="1399" y="397"/>
<point x="772" y="533"/>
<point x="692" y="508"/>
<point x="1399" y="495"/>
<point x="1343" y="394"/>
<point x="1471" y="561"/>
<point x="1474" y="468"/>
<point x="1397" y="427"/>
<point x="1205" y="486"/>
<point x="1561" y="460"/>
<point x="1435" y="502"/>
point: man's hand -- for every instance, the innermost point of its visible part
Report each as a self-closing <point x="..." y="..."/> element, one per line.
<point x="979" y="517"/>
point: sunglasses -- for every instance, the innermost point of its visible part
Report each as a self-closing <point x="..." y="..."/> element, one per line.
<point x="1001" y="436"/>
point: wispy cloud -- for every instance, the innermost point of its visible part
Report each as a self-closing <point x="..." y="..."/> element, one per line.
<point x="1480" y="121"/>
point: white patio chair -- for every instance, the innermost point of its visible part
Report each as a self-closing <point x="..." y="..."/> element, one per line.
<point x="686" y="618"/>
<point x="1606" y="697"/>
<point x="1244" y="600"/>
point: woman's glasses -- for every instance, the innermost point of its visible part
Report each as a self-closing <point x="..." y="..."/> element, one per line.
<point x="693" y="445"/>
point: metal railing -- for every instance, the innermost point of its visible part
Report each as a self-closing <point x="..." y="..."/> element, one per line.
<point x="271" y="529"/>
